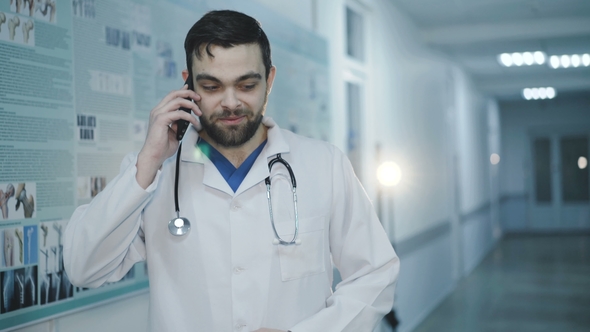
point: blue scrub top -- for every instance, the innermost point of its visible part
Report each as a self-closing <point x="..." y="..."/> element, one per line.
<point x="233" y="176"/>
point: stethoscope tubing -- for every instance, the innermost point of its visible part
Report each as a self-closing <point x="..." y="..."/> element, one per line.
<point x="180" y="226"/>
<point x="278" y="239"/>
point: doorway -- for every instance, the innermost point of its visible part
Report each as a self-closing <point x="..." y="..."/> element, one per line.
<point x="560" y="184"/>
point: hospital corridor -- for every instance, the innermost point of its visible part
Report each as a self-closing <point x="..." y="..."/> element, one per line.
<point x="455" y="132"/>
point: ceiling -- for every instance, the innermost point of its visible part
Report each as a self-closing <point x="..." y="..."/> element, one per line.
<point x="474" y="32"/>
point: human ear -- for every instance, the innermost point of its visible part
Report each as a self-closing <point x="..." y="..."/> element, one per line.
<point x="271" y="78"/>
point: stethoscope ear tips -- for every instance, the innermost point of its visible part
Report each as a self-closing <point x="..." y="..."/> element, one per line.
<point x="298" y="241"/>
<point x="275" y="241"/>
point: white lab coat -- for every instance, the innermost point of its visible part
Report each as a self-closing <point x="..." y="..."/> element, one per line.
<point x="226" y="274"/>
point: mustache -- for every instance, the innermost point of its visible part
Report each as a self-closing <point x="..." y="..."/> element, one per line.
<point x="235" y="113"/>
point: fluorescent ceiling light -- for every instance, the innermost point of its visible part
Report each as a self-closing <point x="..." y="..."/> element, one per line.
<point x="554" y="61"/>
<point x="539" y="93"/>
<point x="575" y="60"/>
<point x="565" y="61"/>
<point x="506" y="59"/>
<point x="539" y="57"/>
<point x="528" y="58"/>
<point x="519" y="59"/>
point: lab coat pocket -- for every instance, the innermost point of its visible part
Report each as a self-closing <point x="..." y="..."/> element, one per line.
<point x="306" y="258"/>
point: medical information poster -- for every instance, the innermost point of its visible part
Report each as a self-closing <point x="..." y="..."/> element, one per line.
<point x="78" y="79"/>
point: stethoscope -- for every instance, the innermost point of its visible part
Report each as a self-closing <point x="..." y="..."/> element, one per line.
<point x="180" y="226"/>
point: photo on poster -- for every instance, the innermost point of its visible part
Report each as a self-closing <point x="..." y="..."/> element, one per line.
<point x="17" y="201"/>
<point x="31" y="246"/>
<point x="19" y="289"/>
<point x="89" y="187"/>
<point x="12" y="240"/>
<point x="54" y="284"/>
<point x="45" y="10"/>
<point x="17" y="29"/>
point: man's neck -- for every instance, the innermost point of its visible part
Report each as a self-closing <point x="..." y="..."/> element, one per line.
<point x="237" y="154"/>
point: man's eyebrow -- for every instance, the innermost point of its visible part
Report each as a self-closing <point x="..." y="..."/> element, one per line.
<point x="248" y="76"/>
<point x="251" y="75"/>
<point x="207" y="77"/>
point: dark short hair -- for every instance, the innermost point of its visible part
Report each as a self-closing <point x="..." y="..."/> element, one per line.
<point x="225" y="28"/>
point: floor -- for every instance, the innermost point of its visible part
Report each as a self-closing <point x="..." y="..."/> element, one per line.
<point x="528" y="283"/>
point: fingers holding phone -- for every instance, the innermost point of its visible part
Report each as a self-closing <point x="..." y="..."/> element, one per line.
<point x="161" y="141"/>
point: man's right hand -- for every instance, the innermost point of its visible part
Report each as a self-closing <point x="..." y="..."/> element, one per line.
<point x="160" y="143"/>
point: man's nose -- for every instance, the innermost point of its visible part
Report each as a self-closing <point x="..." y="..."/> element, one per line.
<point x="230" y="99"/>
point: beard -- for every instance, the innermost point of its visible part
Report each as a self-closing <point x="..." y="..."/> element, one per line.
<point x="233" y="136"/>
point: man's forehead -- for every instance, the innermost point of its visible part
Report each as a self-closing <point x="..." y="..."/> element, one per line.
<point x="236" y="60"/>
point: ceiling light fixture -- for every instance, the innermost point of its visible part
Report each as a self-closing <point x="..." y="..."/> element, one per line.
<point x="517" y="59"/>
<point x="520" y="59"/>
<point x="567" y="61"/>
<point x="539" y="93"/>
<point x="554" y="61"/>
<point x="539" y="57"/>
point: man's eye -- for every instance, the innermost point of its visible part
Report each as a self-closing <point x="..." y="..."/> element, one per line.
<point x="209" y="87"/>
<point x="248" y="86"/>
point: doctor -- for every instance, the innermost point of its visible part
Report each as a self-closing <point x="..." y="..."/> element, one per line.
<point x="229" y="272"/>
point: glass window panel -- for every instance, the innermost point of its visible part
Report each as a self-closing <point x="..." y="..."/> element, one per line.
<point x="574" y="180"/>
<point x="542" y="164"/>
<point x="354" y="35"/>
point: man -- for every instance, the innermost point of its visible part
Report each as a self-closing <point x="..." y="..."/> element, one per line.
<point x="231" y="272"/>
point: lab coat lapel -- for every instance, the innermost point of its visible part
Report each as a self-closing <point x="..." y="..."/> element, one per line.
<point x="275" y="143"/>
<point x="192" y="154"/>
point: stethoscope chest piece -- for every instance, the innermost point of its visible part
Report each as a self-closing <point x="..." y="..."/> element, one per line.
<point x="179" y="226"/>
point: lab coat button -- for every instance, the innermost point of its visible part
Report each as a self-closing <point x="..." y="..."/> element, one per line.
<point x="235" y="207"/>
<point x="238" y="269"/>
<point x="239" y="326"/>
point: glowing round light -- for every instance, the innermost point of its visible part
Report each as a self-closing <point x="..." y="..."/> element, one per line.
<point x="495" y="159"/>
<point x="389" y="174"/>
<point x="527" y="94"/>
<point x="576" y="60"/>
<point x="535" y="93"/>
<point x="550" y="93"/>
<point x="582" y="162"/>
<point x="517" y="59"/>
<point x="528" y="58"/>
<point x="565" y="61"/>
<point x="539" y="57"/>
<point x="178" y="222"/>
<point x="586" y="60"/>
<point x="506" y="59"/>
<point x="554" y="61"/>
<point x="542" y="93"/>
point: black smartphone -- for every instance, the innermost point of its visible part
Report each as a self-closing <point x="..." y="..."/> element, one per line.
<point x="182" y="125"/>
